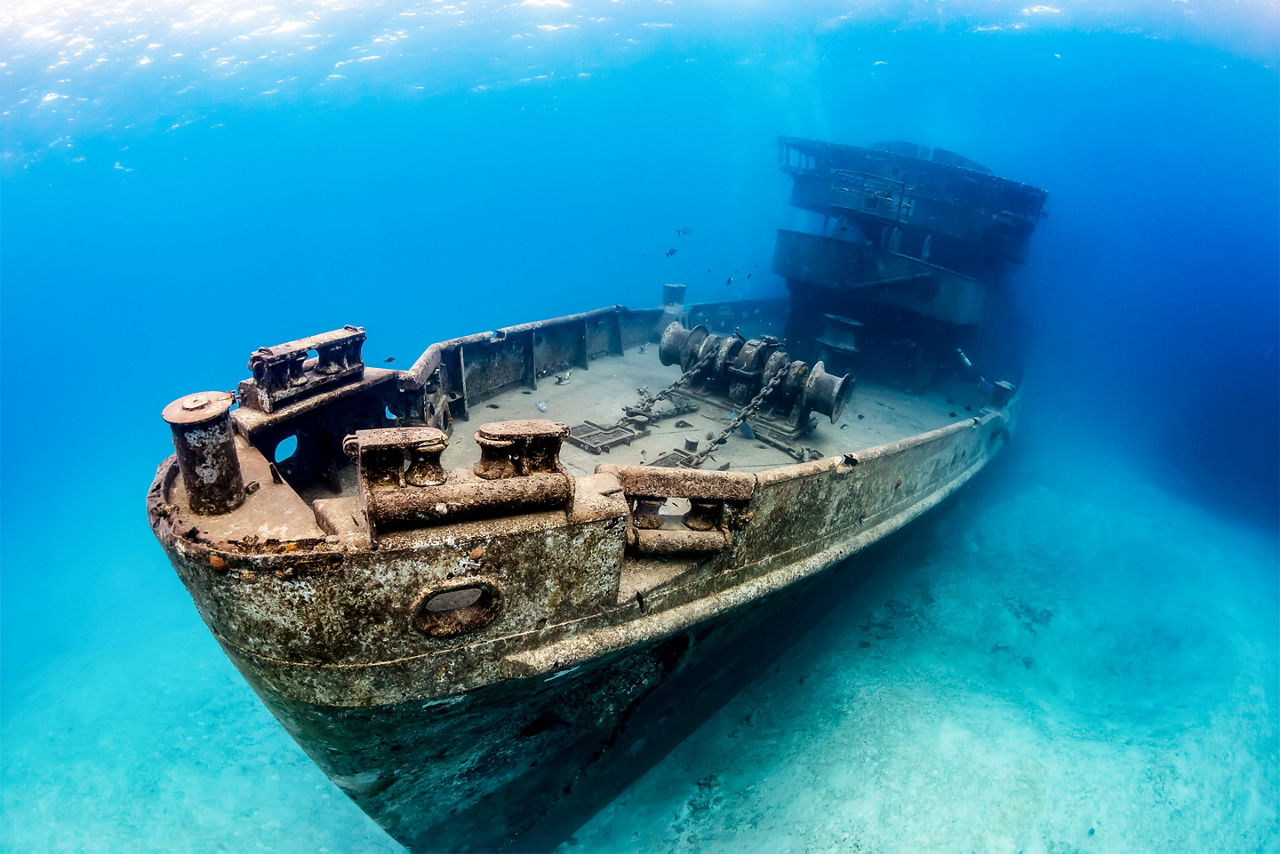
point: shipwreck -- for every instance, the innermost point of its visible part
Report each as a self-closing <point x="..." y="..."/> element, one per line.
<point x="483" y="592"/>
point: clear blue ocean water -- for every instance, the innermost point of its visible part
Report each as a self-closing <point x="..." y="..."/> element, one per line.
<point x="181" y="184"/>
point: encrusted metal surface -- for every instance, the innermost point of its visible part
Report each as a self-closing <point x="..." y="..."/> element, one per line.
<point x="418" y="603"/>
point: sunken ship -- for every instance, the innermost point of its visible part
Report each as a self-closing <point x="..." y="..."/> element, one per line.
<point x="484" y="592"/>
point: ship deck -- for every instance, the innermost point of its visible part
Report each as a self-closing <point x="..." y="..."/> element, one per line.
<point x="875" y="414"/>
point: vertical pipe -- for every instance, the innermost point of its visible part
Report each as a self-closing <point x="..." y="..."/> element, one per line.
<point x="206" y="447"/>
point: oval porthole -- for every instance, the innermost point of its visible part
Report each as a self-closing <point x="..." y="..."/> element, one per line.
<point x="286" y="448"/>
<point x="462" y="607"/>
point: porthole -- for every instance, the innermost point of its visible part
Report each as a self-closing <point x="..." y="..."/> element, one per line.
<point x="285" y="449"/>
<point x="461" y="607"/>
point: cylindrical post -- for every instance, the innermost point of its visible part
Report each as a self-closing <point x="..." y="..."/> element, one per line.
<point x="201" y="425"/>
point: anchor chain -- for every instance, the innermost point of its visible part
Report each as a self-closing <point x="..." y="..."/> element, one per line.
<point x="736" y="422"/>
<point x="645" y="407"/>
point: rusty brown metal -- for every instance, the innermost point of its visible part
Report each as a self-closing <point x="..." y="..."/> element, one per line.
<point x="519" y="448"/>
<point x="683" y="483"/>
<point x="205" y="446"/>
<point x="283" y="373"/>
<point x="404" y="486"/>
<point x="674" y="542"/>
<point x="466" y="496"/>
<point x="399" y="456"/>
<point x="703" y="515"/>
<point x="737" y="373"/>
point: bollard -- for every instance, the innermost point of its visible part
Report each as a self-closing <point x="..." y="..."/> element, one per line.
<point x="206" y="448"/>
<point x="519" y="448"/>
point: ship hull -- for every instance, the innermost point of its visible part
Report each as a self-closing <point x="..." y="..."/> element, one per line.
<point x="520" y="756"/>
<point x="520" y="765"/>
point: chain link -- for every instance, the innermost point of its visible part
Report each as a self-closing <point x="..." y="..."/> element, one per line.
<point x="646" y="407"/>
<point x="736" y="422"/>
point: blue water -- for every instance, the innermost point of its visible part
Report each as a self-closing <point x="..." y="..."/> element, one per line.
<point x="1078" y="652"/>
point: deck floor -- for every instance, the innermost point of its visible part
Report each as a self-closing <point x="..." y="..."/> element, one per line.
<point x="875" y="415"/>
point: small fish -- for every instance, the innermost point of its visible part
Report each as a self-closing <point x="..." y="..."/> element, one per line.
<point x="683" y="230"/>
<point x="728" y="281"/>
<point x="542" y="407"/>
<point x="389" y="359"/>
<point x="563" y="379"/>
<point x="748" y="275"/>
<point x="746" y="430"/>
<point x="708" y="269"/>
<point x="671" y="252"/>
<point x="644" y="347"/>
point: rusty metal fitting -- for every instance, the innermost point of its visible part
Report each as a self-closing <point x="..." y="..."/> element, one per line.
<point x="648" y="481"/>
<point x="466" y="496"/>
<point x="393" y="457"/>
<point x="646" y="513"/>
<point x="206" y="450"/>
<point x="681" y="346"/>
<point x="282" y="373"/>
<point x="519" y="448"/>
<point x="668" y="542"/>
<point x="703" y="515"/>
<point x="826" y="393"/>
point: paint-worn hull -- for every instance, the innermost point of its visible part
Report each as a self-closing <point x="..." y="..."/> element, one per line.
<point x="513" y="737"/>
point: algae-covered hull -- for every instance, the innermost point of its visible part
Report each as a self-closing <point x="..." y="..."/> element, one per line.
<point x="473" y="745"/>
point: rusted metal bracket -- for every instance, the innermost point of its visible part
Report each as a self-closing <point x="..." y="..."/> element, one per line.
<point x="403" y="486"/>
<point x="520" y="448"/>
<point x="716" y="503"/>
<point x="284" y="373"/>
<point x="599" y="438"/>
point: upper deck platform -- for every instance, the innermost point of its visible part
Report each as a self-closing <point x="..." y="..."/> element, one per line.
<point x="906" y="186"/>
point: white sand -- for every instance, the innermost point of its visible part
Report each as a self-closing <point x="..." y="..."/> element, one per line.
<point x="1085" y="663"/>
<point x="1062" y="649"/>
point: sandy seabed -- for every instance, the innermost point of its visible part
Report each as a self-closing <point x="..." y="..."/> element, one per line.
<point x="1065" y="657"/>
